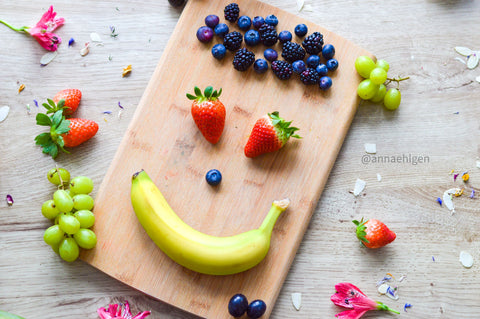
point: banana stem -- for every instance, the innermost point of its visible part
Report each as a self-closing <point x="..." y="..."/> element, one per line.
<point x="278" y="207"/>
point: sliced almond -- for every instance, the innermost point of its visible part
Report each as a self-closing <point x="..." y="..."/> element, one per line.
<point x="297" y="300"/>
<point x="463" y="51"/>
<point x="472" y="61"/>
<point x="4" y="110"/>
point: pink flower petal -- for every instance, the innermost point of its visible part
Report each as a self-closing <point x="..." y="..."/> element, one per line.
<point x="142" y="315"/>
<point x="363" y="303"/>
<point x="42" y="31"/>
<point x="351" y="314"/>
<point x="341" y="300"/>
<point x="347" y="288"/>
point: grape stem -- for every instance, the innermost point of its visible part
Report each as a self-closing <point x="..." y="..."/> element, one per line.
<point x="389" y="80"/>
<point x="60" y="177"/>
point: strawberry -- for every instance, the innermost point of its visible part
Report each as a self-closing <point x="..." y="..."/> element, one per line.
<point x="373" y="233"/>
<point x="270" y="133"/>
<point x="63" y="132"/>
<point x="66" y="100"/>
<point x="208" y="113"/>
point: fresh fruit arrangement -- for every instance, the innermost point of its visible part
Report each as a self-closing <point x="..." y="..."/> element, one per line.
<point x="195" y="250"/>
<point x="374" y="87"/>
<point x="373" y="233"/>
<point x="70" y="210"/>
<point x="238" y="306"/>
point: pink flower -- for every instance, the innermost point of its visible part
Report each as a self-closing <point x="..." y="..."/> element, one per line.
<point x="349" y="296"/>
<point x="43" y="30"/>
<point x="117" y="311"/>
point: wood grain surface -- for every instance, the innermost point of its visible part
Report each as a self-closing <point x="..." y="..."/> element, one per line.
<point x="417" y="38"/>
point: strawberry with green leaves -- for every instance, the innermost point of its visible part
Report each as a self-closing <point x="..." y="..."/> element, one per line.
<point x="373" y="233"/>
<point x="208" y="113"/>
<point x="63" y="133"/>
<point x="269" y="134"/>
<point x="67" y="100"/>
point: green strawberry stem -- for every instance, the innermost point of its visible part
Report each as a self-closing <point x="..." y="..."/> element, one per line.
<point x="52" y="107"/>
<point x="361" y="233"/>
<point x="52" y="141"/>
<point x="21" y="29"/>
<point x="382" y="306"/>
<point x="208" y="95"/>
<point x="283" y="126"/>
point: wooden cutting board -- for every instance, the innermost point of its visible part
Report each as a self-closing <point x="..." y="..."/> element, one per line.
<point x="163" y="139"/>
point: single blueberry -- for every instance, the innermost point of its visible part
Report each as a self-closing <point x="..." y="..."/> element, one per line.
<point x="271" y="20"/>
<point x="301" y="30"/>
<point x="258" y="22"/>
<point x="244" y="22"/>
<point x="270" y="54"/>
<point x="298" y="66"/>
<point x="332" y="64"/>
<point x="212" y="20"/>
<point x="219" y="51"/>
<point x="285" y="36"/>
<point x="252" y="37"/>
<point x="213" y="177"/>
<point x="328" y="51"/>
<point x="256" y="309"/>
<point x="313" y="61"/>
<point x="325" y="83"/>
<point x="204" y="34"/>
<point x="322" y="69"/>
<point x="221" y="29"/>
<point x="237" y="305"/>
<point x="260" y="66"/>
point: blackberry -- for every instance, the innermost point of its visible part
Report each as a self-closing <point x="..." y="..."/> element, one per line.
<point x="282" y="69"/>
<point x="313" y="43"/>
<point x="292" y="52"/>
<point x="233" y="40"/>
<point x="309" y="76"/>
<point x="268" y="34"/>
<point x="243" y="59"/>
<point x="232" y="11"/>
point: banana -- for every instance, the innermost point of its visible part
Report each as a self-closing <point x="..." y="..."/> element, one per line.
<point x="193" y="249"/>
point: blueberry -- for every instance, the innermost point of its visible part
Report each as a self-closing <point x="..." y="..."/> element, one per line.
<point x="313" y="61"/>
<point x="204" y="34"/>
<point x="270" y="54"/>
<point x="219" y="51"/>
<point x="221" y="29"/>
<point x="298" y="66"/>
<point x="212" y="20"/>
<point x="213" y="177"/>
<point x="284" y="36"/>
<point x="322" y="69"/>
<point x="256" y="309"/>
<point x="271" y="20"/>
<point x="328" y="51"/>
<point x="260" y="66"/>
<point x="176" y="3"/>
<point x="325" y="83"/>
<point x="252" y="37"/>
<point x="301" y="30"/>
<point x="237" y="305"/>
<point x="332" y="64"/>
<point x="258" y="22"/>
<point x="244" y="22"/>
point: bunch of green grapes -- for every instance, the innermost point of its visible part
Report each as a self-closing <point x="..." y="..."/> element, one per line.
<point x="70" y="210"/>
<point x="374" y="87"/>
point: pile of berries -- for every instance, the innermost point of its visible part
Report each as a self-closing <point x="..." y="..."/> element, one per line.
<point x="71" y="212"/>
<point x="311" y="59"/>
<point x="238" y="306"/>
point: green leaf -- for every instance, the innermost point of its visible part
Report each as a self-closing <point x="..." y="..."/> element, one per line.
<point x="208" y="92"/>
<point x="50" y="101"/>
<point x="43" y="119"/>
<point x="219" y="92"/>
<point x="54" y="151"/>
<point x="60" y="104"/>
<point x="198" y="92"/>
<point x="64" y="127"/>
<point x="191" y="97"/>
<point x="47" y="106"/>
<point x="48" y="147"/>
<point x="57" y="118"/>
<point x="43" y="139"/>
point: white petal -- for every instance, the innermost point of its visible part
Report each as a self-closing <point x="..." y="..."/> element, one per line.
<point x="297" y="300"/>
<point x="382" y="289"/>
<point x="48" y="57"/>
<point x="4" y="112"/>
<point x="448" y="196"/>
<point x="359" y="187"/>
<point x="478" y="164"/>
<point x="370" y="148"/>
<point x="460" y="59"/>
<point x="477" y="79"/>
<point x="95" y="37"/>
<point x="307" y="8"/>
<point x="472" y="61"/>
<point x="85" y="50"/>
<point x="466" y="259"/>
<point x="300" y="4"/>
<point x="463" y="51"/>
<point x="379" y="177"/>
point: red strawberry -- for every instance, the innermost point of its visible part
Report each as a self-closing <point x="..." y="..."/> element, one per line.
<point x="208" y="113"/>
<point x="270" y="133"/>
<point x="63" y="132"/>
<point x="72" y="99"/>
<point x="373" y="233"/>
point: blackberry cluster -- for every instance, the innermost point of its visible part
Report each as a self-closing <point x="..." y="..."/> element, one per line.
<point x="309" y="76"/>
<point x="292" y="52"/>
<point x="233" y="41"/>
<point x="313" y="43"/>
<point x="243" y="59"/>
<point x="268" y="34"/>
<point x="282" y="69"/>
<point x="231" y="11"/>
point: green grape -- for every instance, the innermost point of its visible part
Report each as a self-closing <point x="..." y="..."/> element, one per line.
<point x="85" y="217"/>
<point x="81" y="185"/>
<point x="68" y="223"/>
<point x="55" y="174"/>
<point x="82" y="201"/>
<point x="68" y="249"/>
<point x="380" y="94"/>
<point x="378" y="76"/>
<point x="53" y="235"/>
<point x="364" y="65"/>
<point x="383" y="64"/>
<point x="367" y="89"/>
<point x="392" y="99"/>
<point x="55" y="248"/>
<point x="49" y="210"/>
<point x="85" y="238"/>
<point x="63" y="201"/>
